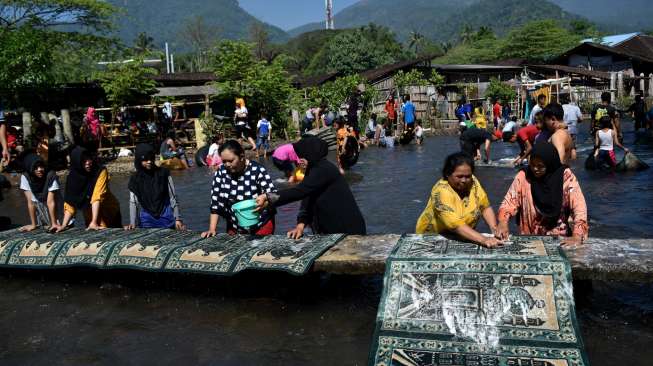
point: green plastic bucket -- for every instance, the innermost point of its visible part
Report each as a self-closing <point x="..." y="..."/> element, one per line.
<point x="244" y="211"/>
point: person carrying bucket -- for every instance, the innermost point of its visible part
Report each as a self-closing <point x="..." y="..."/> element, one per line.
<point x="236" y="184"/>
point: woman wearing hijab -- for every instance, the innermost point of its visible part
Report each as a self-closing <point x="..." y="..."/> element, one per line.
<point x="152" y="199"/>
<point x="544" y="196"/>
<point x="328" y="205"/>
<point x="87" y="189"/>
<point x="91" y="130"/>
<point x="41" y="188"/>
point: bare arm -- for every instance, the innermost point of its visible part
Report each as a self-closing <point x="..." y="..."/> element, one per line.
<point x="490" y="218"/>
<point x="3" y="143"/>
<point x="616" y="141"/>
<point x="559" y="143"/>
<point x="213" y="226"/>
<point x="52" y="208"/>
<point x="31" y="209"/>
<point x="488" y="143"/>
<point x="468" y="233"/>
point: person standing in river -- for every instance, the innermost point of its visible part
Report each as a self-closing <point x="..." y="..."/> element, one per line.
<point x="87" y="189"/>
<point x="456" y="204"/>
<point x="544" y="196"/>
<point x="639" y="110"/>
<point x="241" y="118"/>
<point x="152" y="198"/>
<point x="391" y="111"/>
<point x="238" y="179"/>
<point x="560" y="138"/>
<point x="606" y="109"/>
<point x="328" y="205"/>
<point x="539" y="107"/>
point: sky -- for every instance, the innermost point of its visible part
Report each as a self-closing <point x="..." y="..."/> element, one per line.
<point x="288" y="14"/>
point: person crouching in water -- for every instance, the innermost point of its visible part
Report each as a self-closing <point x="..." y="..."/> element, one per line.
<point x="328" y="205"/>
<point x="152" y="199"/>
<point x="285" y="159"/>
<point x="604" y="143"/>
<point x="457" y="202"/>
<point x="238" y="179"/>
<point x="42" y="193"/>
<point x="87" y="189"/>
<point x="471" y="141"/>
<point x="544" y="196"/>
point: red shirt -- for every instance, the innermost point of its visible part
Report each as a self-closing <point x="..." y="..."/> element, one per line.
<point x="390" y="109"/>
<point x="497" y="110"/>
<point x="528" y="133"/>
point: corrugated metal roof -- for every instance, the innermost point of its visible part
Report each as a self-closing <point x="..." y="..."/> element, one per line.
<point x="613" y="40"/>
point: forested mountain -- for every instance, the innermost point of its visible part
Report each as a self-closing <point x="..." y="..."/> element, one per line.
<point x="443" y="20"/>
<point x="613" y="16"/>
<point x="169" y="20"/>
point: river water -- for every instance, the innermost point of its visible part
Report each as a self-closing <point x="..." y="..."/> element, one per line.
<point x="85" y="317"/>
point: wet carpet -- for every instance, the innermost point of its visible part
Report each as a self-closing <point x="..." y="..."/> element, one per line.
<point x="451" y="303"/>
<point x="162" y="251"/>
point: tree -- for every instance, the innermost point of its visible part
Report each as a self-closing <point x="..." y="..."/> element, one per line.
<point x="55" y="14"/>
<point x="124" y="82"/>
<point x="415" y="41"/>
<point x="498" y="90"/>
<point x="335" y="93"/>
<point x="267" y="88"/>
<point x="143" y="44"/>
<point x="353" y="52"/>
<point x="25" y="60"/>
<point x="538" y="41"/>
<point x="200" y="37"/>
<point x="260" y="37"/>
<point x="467" y="34"/>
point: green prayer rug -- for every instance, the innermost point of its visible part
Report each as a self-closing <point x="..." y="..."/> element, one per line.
<point x="217" y="255"/>
<point x="281" y="253"/>
<point x="451" y="303"/>
<point x="151" y="251"/>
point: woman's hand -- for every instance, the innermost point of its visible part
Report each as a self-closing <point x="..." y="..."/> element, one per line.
<point x="209" y="233"/>
<point x="179" y="225"/>
<point x="130" y="227"/>
<point x="27" y="228"/>
<point x="94" y="226"/>
<point x="574" y="241"/>
<point x="491" y="243"/>
<point x="502" y="231"/>
<point x="53" y="228"/>
<point x="261" y="202"/>
<point x="59" y="229"/>
<point x="297" y="232"/>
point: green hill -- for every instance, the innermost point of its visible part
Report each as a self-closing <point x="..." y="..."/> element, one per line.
<point x="165" y="20"/>
<point x="443" y="20"/>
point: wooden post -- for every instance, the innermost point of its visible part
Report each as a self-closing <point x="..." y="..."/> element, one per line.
<point x="67" y="128"/>
<point x="27" y="129"/>
<point x="620" y="84"/>
<point x="44" y="118"/>
<point x="613" y="85"/>
<point x="642" y="85"/>
<point x="650" y="85"/>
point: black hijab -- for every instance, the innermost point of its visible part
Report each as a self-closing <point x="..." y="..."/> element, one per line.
<point x="150" y="186"/>
<point x="38" y="186"/>
<point x="547" y="190"/>
<point x="80" y="183"/>
<point x="311" y="148"/>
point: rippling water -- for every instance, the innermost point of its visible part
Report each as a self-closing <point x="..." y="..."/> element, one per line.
<point x="107" y="318"/>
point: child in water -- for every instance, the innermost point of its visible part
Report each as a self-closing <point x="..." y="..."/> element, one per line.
<point x="264" y="131"/>
<point x="419" y="133"/>
<point x="213" y="157"/>
<point x="604" y="143"/>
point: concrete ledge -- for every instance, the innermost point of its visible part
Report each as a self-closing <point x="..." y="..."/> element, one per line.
<point x="601" y="259"/>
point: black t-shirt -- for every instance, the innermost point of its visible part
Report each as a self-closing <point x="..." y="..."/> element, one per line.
<point x="475" y="136"/>
<point x="599" y="111"/>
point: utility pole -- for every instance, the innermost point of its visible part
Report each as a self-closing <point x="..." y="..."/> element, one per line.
<point x="329" y="15"/>
<point x="167" y="59"/>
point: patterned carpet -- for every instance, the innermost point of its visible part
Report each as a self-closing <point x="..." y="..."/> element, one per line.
<point x="451" y="303"/>
<point x="161" y="250"/>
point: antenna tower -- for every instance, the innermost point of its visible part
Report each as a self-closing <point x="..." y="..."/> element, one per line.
<point x="329" y="15"/>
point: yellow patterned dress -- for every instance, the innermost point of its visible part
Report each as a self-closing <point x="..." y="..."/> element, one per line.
<point x="446" y="211"/>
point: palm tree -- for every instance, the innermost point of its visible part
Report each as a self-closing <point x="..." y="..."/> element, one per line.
<point x="467" y="34"/>
<point x="446" y="46"/>
<point x="415" y="40"/>
<point x="143" y="43"/>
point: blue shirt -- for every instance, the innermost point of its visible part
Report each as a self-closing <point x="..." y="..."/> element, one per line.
<point x="409" y="112"/>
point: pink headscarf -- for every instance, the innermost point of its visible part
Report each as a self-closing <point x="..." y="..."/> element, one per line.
<point x="92" y="121"/>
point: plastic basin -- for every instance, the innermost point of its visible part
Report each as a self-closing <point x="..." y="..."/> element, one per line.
<point x="245" y="214"/>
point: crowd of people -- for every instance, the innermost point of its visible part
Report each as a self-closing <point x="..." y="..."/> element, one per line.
<point x="545" y="197"/>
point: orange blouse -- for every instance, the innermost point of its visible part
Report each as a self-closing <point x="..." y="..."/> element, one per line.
<point x="519" y="202"/>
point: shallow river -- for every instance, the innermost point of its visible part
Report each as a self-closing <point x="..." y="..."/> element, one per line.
<point x="130" y="318"/>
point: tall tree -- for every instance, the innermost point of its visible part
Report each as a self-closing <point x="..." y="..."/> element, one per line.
<point x="143" y="44"/>
<point x="200" y="36"/>
<point x="261" y="40"/>
<point x="539" y="40"/>
<point x="415" y="41"/>
<point x="91" y="14"/>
